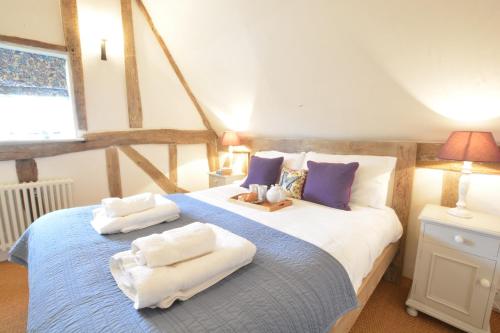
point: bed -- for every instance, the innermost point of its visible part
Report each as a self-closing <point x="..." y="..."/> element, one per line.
<point x="315" y="278"/>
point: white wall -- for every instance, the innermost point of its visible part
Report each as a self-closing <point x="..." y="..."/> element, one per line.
<point x="362" y="69"/>
<point x="427" y="186"/>
<point x="165" y="103"/>
<point x="358" y="69"/>
<point x="36" y="19"/>
<point x="375" y="69"/>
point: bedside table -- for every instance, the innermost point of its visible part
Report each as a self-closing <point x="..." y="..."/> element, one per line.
<point x="456" y="270"/>
<point x="219" y="180"/>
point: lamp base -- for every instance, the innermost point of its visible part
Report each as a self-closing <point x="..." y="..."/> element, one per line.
<point x="460" y="212"/>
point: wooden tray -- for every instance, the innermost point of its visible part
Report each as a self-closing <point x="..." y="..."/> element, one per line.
<point x="265" y="206"/>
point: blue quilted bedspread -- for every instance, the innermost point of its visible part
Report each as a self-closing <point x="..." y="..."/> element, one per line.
<point x="291" y="286"/>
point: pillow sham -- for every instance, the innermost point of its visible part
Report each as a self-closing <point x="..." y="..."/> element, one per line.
<point x="371" y="184"/>
<point x="330" y="184"/>
<point x="263" y="171"/>
<point x="291" y="160"/>
<point x="292" y="182"/>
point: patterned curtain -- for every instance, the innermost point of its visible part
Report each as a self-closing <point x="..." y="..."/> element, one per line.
<point x="26" y="73"/>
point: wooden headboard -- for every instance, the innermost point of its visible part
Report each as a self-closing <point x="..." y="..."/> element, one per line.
<point x="405" y="152"/>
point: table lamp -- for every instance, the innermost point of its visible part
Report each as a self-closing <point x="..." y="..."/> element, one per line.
<point x="468" y="146"/>
<point x="230" y="139"/>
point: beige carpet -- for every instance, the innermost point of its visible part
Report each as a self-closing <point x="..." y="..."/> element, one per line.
<point x="13" y="297"/>
<point x="385" y="312"/>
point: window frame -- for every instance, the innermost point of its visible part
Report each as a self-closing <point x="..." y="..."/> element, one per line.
<point x="54" y="51"/>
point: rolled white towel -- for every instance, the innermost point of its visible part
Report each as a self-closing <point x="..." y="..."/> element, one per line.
<point x="174" y="245"/>
<point x="161" y="286"/>
<point x="116" y="207"/>
<point x="165" y="210"/>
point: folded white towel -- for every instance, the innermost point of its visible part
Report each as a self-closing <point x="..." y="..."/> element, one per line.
<point x="161" y="286"/>
<point x="165" y="210"/>
<point x="174" y="245"/>
<point x="116" y="207"/>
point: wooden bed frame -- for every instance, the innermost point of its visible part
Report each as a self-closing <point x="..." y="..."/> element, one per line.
<point x="390" y="262"/>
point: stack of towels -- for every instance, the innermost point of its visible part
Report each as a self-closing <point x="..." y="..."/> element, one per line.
<point x="133" y="213"/>
<point x="178" y="263"/>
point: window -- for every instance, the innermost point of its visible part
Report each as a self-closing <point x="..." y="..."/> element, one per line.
<point x="36" y="100"/>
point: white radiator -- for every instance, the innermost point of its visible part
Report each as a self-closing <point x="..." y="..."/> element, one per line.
<point x="21" y="204"/>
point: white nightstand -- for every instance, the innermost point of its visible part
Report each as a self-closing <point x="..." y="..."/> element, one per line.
<point x="456" y="270"/>
<point x="219" y="180"/>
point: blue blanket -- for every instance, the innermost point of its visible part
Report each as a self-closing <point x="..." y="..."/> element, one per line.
<point x="291" y="286"/>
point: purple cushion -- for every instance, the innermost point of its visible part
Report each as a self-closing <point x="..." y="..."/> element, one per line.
<point x="263" y="171"/>
<point x="330" y="184"/>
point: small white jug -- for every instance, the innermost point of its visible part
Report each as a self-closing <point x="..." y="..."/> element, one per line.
<point x="275" y="194"/>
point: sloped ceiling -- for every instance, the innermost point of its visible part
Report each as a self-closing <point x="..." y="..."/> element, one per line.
<point x="364" y="69"/>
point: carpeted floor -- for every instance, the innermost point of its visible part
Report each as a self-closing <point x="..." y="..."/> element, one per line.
<point x="13" y="297"/>
<point x="385" y="312"/>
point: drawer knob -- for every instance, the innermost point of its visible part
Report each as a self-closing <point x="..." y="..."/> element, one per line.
<point x="485" y="283"/>
<point x="459" y="239"/>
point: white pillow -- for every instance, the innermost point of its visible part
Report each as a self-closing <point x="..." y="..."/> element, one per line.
<point x="371" y="181"/>
<point x="290" y="160"/>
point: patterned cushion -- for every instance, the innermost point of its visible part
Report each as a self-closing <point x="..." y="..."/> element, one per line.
<point x="292" y="182"/>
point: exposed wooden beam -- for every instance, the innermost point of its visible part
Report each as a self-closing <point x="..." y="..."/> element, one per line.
<point x="153" y="136"/>
<point x="212" y="156"/>
<point x="69" y="14"/>
<point x="427" y="158"/>
<point x="156" y="175"/>
<point x="174" y="65"/>
<point x="172" y="163"/>
<point x="113" y="171"/>
<point x="32" y="43"/>
<point x="449" y="191"/>
<point x="102" y="140"/>
<point x="26" y="170"/>
<point x="401" y="200"/>
<point x="131" y="74"/>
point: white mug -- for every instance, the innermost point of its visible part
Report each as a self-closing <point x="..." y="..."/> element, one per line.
<point x="254" y="188"/>
<point x="262" y="193"/>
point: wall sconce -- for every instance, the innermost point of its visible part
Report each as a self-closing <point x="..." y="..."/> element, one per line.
<point x="103" y="50"/>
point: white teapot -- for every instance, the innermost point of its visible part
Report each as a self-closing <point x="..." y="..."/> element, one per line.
<point x="275" y="194"/>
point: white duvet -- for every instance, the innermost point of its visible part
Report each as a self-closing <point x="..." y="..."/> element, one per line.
<point x="355" y="238"/>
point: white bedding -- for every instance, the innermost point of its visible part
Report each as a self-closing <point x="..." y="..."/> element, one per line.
<point x="355" y="238"/>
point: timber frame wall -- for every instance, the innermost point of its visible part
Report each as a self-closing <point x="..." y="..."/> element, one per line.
<point x="112" y="141"/>
<point x="24" y="154"/>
